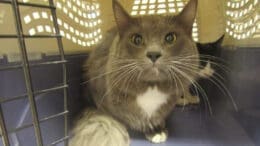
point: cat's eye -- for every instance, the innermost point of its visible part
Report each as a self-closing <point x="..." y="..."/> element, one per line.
<point x="170" y="38"/>
<point x="137" y="39"/>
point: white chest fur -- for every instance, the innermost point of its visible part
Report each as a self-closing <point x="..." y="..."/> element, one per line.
<point x="151" y="100"/>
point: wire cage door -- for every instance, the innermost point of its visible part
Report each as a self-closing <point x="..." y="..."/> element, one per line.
<point x="26" y="67"/>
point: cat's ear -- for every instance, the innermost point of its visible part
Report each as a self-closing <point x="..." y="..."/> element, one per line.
<point x="219" y="41"/>
<point x="122" y="18"/>
<point x="187" y="15"/>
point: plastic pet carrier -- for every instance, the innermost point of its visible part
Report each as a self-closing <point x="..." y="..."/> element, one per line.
<point x="44" y="43"/>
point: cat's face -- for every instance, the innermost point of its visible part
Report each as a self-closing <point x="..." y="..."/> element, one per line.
<point x="157" y="45"/>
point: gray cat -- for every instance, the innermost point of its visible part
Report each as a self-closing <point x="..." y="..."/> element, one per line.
<point x="140" y="69"/>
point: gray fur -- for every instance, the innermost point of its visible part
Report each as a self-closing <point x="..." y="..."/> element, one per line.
<point x="97" y="129"/>
<point x="115" y="83"/>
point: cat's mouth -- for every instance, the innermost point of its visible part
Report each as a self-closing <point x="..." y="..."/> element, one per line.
<point x="154" y="73"/>
<point x="155" y="70"/>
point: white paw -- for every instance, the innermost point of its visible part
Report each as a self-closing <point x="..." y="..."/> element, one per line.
<point x="194" y="100"/>
<point x="182" y="101"/>
<point x="207" y="71"/>
<point x="188" y="99"/>
<point x="158" y="137"/>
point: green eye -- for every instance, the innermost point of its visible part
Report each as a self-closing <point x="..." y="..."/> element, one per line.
<point x="137" y="39"/>
<point x="170" y="38"/>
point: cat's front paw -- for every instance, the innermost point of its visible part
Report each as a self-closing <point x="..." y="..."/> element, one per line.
<point x="182" y="101"/>
<point x="188" y="100"/>
<point x="157" y="137"/>
<point x="194" y="100"/>
<point x="207" y="72"/>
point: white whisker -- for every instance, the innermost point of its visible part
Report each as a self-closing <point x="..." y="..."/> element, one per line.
<point x="110" y="72"/>
<point x="114" y="83"/>
<point x="220" y="86"/>
<point x="197" y="85"/>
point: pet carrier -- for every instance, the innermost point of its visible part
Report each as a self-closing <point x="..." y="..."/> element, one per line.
<point x="44" y="43"/>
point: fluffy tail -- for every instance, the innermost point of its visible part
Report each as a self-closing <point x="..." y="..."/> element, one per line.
<point x="98" y="129"/>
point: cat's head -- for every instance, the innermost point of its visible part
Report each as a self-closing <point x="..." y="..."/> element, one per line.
<point x="157" y="45"/>
<point x="211" y="48"/>
<point x="210" y="51"/>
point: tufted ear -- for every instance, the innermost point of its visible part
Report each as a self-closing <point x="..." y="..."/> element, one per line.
<point x="187" y="16"/>
<point x="122" y="18"/>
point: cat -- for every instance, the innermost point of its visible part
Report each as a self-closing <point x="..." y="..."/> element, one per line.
<point x="209" y="57"/>
<point x="138" y="72"/>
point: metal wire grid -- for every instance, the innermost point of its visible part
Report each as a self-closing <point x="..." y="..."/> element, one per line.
<point x="27" y="75"/>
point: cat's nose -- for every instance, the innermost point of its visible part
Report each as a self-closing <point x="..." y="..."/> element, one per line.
<point x="153" y="55"/>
